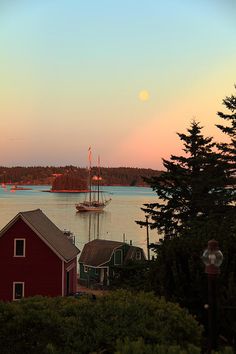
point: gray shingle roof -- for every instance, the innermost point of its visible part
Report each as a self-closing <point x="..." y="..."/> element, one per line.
<point x="52" y="235"/>
<point x="98" y="252"/>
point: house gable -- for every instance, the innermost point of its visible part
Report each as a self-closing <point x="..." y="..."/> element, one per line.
<point x="40" y="269"/>
<point x="48" y="232"/>
<point x="36" y="258"/>
<point x="135" y="254"/>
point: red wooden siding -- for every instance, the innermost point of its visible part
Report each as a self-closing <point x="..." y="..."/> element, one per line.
<point x="70" y="267"/>
<point x="40" y="269"/>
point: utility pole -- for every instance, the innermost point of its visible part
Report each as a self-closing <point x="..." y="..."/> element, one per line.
<point x="124" y="237"/>
<point x="147" y="228"/>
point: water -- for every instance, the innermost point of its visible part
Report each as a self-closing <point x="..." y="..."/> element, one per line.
<point x="116" y="222"/>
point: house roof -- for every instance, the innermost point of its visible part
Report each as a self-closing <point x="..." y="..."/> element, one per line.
<point x="97" y="252"/>
<point x="131" y="254"/>
<point x="47" y="231"/>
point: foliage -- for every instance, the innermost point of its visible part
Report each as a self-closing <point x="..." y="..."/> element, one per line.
<point x="194" y="205"/>
<point x="132" y="275"/>
<point x="178" y="273"/>
<point x="70" y="181"/>
<point x="126" y="176"/>
<point x="191" y="190"/>
<point x="139" y="347"/>
<point x="229" y="148"/>
<point x="69" y="325"/>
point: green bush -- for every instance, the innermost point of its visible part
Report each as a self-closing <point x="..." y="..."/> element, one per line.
<point x="69" y="325"/>
<point x="139" y="347"/>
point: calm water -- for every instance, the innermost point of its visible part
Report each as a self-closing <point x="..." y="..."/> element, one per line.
<point x="115" y="223"/>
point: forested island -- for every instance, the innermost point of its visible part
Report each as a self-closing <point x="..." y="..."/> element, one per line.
<point x="72" y="177"/>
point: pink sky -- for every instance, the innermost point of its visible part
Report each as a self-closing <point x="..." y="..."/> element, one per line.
<point x="71" y="76"/>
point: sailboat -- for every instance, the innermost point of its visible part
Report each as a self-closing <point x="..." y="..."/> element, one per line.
<point x="96" y="201"/>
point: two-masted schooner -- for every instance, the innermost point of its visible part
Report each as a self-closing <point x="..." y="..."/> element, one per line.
<point x="96" y="200"/>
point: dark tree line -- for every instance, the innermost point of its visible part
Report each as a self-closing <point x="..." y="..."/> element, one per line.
<point x="126" y="176"/>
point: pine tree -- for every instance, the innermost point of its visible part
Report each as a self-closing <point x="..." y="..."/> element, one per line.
<point x="229" y="149"/>
<point x="194" y="205"/>
<point x="228" y="240"/>
<point x="192" y="188"/>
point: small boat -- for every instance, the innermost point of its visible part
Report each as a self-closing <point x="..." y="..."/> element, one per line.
<point x="17" y="188"/>
<point x="96" y="200"/>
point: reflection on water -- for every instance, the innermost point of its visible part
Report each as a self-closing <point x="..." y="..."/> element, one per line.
<point x="116" y="222"/>
<point x="92" y="222"/>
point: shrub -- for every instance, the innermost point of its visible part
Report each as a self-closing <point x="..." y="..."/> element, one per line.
<point x="69" y="325"/>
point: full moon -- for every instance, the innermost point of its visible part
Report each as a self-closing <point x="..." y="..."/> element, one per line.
<point x="144" y="95"/>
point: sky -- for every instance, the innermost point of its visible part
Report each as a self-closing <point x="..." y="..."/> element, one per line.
<point x="120" y="76"/>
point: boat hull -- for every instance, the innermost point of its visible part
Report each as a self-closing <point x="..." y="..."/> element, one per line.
<point x="81" y="209"/>
<point x="93" y="206"/>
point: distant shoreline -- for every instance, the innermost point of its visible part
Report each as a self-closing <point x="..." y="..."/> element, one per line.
<point x="73" y="177"/>
<point x="67" y="191"/>
<point x="87" y="190"/>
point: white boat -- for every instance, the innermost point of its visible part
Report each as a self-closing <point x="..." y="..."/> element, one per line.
<point x="96" y="200"/>
<point x="92" y="206"/>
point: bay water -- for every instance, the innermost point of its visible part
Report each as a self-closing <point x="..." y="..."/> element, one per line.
<point x="116" y="222"/>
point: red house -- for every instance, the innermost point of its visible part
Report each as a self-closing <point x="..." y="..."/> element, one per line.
<point x="36" y="258"/>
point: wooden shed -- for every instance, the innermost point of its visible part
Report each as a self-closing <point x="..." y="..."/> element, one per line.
<point x="98" y="258"/>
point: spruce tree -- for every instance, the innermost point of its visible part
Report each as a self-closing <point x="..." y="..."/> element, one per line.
<point x="228" y="239"/>
<point x="191" y="190"/>
<point x="194" y="205"/>
<point x="229" y="129"/>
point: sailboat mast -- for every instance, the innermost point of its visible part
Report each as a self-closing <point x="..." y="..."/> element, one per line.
<point x="98" y="177"/>
<point x="90" y="178"/>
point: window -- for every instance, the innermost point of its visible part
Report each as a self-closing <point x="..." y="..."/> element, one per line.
<point x="18" y="290"/>
<point x="19" y="247"/>
<point x="138" y="256"/>
<point x="86" y="269"/>
<point x="118" y="257"/>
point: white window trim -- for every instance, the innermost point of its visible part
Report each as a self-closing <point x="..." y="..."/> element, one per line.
<point x="19" y="239"/>
<point x="23" y="289"/>
<point x="86" y="269"/>
<point x="120" y="258"/>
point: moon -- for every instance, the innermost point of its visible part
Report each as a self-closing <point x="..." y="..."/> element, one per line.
<point x="144" y="95"/>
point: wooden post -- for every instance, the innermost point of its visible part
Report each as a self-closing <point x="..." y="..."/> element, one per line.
<point x="148" y="248"/>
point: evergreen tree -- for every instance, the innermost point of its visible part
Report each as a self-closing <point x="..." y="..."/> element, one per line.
<point x="229" y="149"/>
<point x="70" y="181"/>
<point x="192" y="189"/>
<point x="228" y="240"/>
<point x="194" y="205"/>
